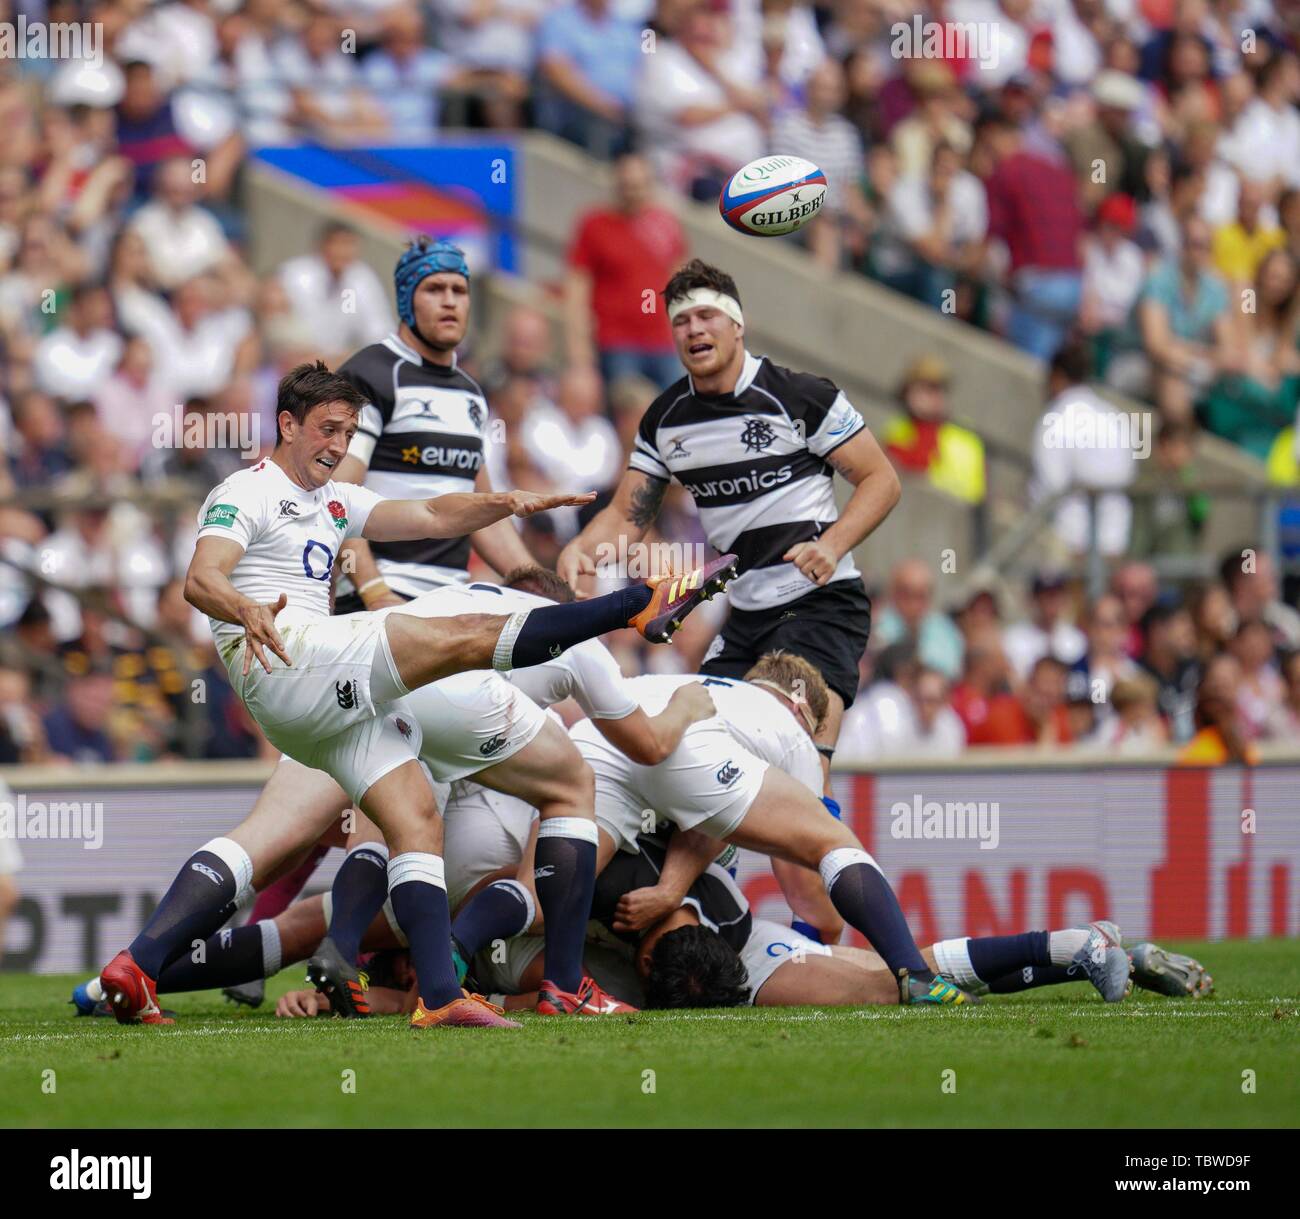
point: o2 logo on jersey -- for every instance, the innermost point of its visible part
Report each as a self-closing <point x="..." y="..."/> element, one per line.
<point x="309" y="564"/>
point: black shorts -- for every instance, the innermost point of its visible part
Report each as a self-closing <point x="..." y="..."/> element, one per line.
<point x="828" y="627"/>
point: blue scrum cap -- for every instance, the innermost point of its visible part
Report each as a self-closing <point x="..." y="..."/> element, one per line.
<point x="423" y="258"/>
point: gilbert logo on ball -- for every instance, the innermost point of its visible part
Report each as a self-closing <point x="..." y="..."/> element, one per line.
<point x="773" y="196"/>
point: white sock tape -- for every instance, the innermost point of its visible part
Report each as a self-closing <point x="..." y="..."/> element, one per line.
<point x="521" y="891"/>
<point x="837" y="860"/>
<point x="569" y="827"/>
<point x="236" y="859"/>
<point x="270" y="947"/>
<point x="416" y="866"/>
<point x="953" y="959"/>
<point x="503" y="653"/>
<point x="375" y="848"/>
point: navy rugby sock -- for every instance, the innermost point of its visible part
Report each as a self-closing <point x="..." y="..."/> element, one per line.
<point x="418" y="891"/>
<point x="503" y="909"/>
<point x="565" y="878"/>
<point x="1035" y="975"/>
<point x="358" y="893"/>
<point x="992" y="956"/>
<point x="540" y="634"/>
<point x="859" y="891"/>
<point x="229" y="958"/>
<point x="197" y="903"/>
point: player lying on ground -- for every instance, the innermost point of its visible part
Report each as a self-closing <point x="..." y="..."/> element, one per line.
<point x="261" y="568"/>
<point x="711" y="952"/>
<point x="731" y="778"/>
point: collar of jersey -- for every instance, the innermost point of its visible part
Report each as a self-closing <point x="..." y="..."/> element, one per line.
<point x="395" y="342"/>
<point x="748" y="371"/>
<point x="288" y="482"/>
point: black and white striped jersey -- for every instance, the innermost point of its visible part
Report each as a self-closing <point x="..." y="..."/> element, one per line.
<point x="755" y="463"/>
<point x="716" y="897"/>
<point x="421" y="434"/>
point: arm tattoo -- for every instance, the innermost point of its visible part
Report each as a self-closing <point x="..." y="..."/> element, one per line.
<point x="646" y="501"/>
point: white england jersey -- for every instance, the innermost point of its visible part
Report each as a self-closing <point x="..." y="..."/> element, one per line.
<point x="290" y="537"/>
<point x="752" y="715"/>
<point x="586" y="672"/>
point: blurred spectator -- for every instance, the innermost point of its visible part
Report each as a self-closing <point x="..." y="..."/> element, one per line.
<point x="1285" y="724"/>
<point x="77" y="358"/>
<point x="337" y="296"/>
<point x="619" y="260"/>
<point x="1048" y="631"/>
<point x="1213" y="618"/>
<point x="923" y="440"/>
<point x="128" y="401"/>
<point x="181" y="238"/>
<point x="1250" y="579"/>
<point x="905" y="715"/>
<point x="78" y="730"/>
<point x="495" y="43"/>
<point x="1137" y="588"/>
<point x="572" y="443"/>
<point x="825" y="137"/>
<point x="1252" y="404"/>
<point x="1106" y="661"/>
<point x="910" y="616"/>
<point x="934" y="121"/>
<point x="1261" y="692"/>
<point x="197" y="464"/>
<point x="1033" y="209"/>
<point x="22" y="735"/>
<point x="941" y="214"/>
<point x="203" y="345"/>
<point x="1264" y="142"/>
<point x="1170" y="659"/>
<point x="1136" y="727"/>
<point x="1185" y="324"/>
<point x="699" y="123"/>
<point x="1168" y="518"/>
<point x="42" y="453"/>
<point x="1114" y="270"/>
<point x="329" y="101"/>
<point x="405" y="75"/>
<point x="1220" y="737"/>
<point x="1241" y="244"/>
<point x="589" y="56"/>
<point x="1106" y="154"/>
<point x="527" y="352"/>
<point x="1076" y="446"/>
<point x="993" y="715"/>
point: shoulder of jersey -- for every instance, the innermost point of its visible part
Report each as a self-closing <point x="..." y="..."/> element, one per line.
<point x="376" y="358"/>
<point x="666" y="398"/>
<point x="787" y="383"/>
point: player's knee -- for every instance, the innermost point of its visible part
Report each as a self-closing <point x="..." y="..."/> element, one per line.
<point x="8" y="897"/>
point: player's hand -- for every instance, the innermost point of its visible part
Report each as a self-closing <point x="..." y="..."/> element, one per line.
<point x="260" y="633"/>
<point x="642" y="908"/>
<point x="572" y="565"/>
<point x="816" y="560"/>
<point x="695" y="699"/>
<point x="302" y="1003"/>
<point x="527" y="503"/>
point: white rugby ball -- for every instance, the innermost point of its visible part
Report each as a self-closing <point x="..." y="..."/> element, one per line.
<point x="773" y="196"/>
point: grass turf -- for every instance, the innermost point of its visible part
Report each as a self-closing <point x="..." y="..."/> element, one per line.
<point x="1051" y="1057"/>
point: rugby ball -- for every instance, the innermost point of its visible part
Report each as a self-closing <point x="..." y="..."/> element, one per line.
<point x="773" y="196"/>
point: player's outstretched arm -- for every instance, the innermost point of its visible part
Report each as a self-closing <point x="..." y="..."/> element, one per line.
<point x="689" y="853"/>
<point x="208" y="588"/>
<point x="649" y="739"/>
<point x="630" y="514"/>
<point x="455" y="515"/>
<point x="876" y="490"/>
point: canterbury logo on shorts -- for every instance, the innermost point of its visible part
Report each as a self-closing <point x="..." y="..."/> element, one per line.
<point x="346" y="692"/>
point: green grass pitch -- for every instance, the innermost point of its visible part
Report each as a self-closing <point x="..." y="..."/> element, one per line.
<point x="1052" y="1057"/>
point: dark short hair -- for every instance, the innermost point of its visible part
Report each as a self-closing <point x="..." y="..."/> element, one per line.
<point x="1073" y="360"/>
<point x="539" y="581"/>
<point x="310" y="385"/>
<point x="699" y="274"/>
<point x="335" y="228"/>
<point x="695" y="967"/>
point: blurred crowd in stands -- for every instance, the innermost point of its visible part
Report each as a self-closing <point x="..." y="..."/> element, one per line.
<point x="1113" y="185"/>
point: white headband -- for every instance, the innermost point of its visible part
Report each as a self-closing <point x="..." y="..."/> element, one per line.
<point x="714" y="300"/>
